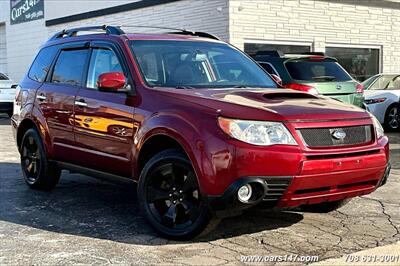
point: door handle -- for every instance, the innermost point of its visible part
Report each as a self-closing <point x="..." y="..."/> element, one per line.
<point x="81" y="103"/>
<point x="41" y="97"/>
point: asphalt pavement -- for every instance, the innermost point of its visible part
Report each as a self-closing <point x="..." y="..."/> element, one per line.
<point x="87" y="221"/>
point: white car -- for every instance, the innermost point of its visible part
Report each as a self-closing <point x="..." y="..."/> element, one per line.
<point x="7" y="94"/>
<point x="382" y="96"/>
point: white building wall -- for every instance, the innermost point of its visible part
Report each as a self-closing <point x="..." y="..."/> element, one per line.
<point x="24" y="39"/>
<point x="61" y="8"/>
<point x="317" y="22"/>
<point x="198" y="15"/>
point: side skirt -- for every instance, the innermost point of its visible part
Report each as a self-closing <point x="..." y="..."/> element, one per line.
<point x="72" y="168"/>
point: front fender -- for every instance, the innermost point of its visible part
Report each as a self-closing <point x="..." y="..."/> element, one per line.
<point x="209" y="153"/>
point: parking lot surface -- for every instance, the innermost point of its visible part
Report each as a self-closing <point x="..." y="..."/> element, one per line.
<point x="88" y="221"/>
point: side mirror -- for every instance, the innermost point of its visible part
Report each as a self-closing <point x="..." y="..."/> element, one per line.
<point x="277" y="79"/>
<point x="111" y="81"/>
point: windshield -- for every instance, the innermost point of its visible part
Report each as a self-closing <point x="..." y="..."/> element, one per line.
<point x="317" y="71"/>
<point x="196" y="64"/>
<point x="386" y="82"/>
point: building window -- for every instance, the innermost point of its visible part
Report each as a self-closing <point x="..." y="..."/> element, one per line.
<point x="289" y="48"/>
<point x="361" y="63"/>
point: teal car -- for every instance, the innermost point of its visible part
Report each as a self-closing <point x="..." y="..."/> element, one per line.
<point x="314" y="73"/>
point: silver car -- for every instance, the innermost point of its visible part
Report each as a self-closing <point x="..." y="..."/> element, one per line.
<point x="382" y="96"/>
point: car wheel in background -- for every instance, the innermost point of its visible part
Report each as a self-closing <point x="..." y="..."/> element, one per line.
<point x="392" y="118"/>
<point x="38" y="172"/>
<point x="170" y="198"/>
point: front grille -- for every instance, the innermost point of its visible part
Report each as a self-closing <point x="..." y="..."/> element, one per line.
<point x="276" y="187"/>
<point x="340" y="136"/>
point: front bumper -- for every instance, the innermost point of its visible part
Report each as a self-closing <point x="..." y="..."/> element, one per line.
<point x="286" y="191"/>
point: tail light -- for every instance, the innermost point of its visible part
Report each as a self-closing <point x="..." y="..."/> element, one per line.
<point x="360" y="88"/>
<point x="302" y="87"/>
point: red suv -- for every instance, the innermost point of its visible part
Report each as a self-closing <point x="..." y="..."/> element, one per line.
<point x="201" y="128"/>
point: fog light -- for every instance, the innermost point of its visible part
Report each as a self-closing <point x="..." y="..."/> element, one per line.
<point x="244" y="193"/>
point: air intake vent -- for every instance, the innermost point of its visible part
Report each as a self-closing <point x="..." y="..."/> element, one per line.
<point x="276" y="188"/>
<point x="288" y="95"/>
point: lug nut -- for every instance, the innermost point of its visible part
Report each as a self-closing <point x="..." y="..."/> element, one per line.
<point x="180" y="191"/>
<point x="173" y="189"/>
<point x="174" y="202"/>
<point x="170" y="195"/>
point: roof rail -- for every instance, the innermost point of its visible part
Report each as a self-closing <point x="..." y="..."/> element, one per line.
<point x="197" y="33"/>
<point x="116" y="30"/>
<point x="72" y="32"/>
<point x="176" y="31"/>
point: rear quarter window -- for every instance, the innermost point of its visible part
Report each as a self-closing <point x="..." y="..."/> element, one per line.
<point x="41" y="65"/>
<point x="3" y="77"/>
<point x="317" y="71"/>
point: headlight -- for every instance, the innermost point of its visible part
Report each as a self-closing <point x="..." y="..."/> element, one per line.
<point x="261" y="133"/>
<point x="372" y="101"/>
<point x="378" y="127"/>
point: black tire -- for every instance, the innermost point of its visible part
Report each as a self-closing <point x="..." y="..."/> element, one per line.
<point x="38" y="172"/>
<point x="170" y="199"/>
<point x="325" y="207"/>
<point x="392" y="118"/>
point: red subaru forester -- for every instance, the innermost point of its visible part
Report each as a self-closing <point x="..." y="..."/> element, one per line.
<point x="201" y="128"/>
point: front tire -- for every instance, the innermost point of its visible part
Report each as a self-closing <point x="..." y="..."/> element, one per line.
<point x="325" y="207"/>
<point x="38" y="172"/>
<point x="170" y="198"/>
<point x="392" y="118"/>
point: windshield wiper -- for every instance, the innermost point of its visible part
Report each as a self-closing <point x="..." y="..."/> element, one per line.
<point x="241" y="87"/>
<point x="184" y="88"/>
<point x="328" y="78"/>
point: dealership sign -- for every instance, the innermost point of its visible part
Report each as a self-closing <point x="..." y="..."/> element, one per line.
<point x="26" y="10"/>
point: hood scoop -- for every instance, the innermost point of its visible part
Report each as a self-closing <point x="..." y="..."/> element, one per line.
<point x="288" y="96"/>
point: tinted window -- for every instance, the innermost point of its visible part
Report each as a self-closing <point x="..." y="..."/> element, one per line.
<point x="41" y="64"/>
<point x="317" y="71"/>
<point x="69" y="67"/>
<point x="102" y="61"/>
<point x="3" y="77"/>
<point x="197" y="65"/>
<point x="361" y="63"/>
<point x="253" y="48"/>
<point x="386" y="82"/>
<point x="268" y="67"/>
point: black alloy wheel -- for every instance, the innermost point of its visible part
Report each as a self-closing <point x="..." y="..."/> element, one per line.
<point x="170" y="197"/>
<point x="38" y="172"/>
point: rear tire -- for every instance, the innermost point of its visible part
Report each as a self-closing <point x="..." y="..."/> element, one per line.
<point x="170" y="198"/>
<point x="392" y="118"/>
<point x="38" y="172"/>
<point x="325" y="207"/>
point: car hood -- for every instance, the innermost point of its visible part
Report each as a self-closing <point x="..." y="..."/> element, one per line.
<point x="271" y="104"/>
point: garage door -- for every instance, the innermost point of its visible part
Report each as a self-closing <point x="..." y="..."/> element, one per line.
<point x="3" y="61"/>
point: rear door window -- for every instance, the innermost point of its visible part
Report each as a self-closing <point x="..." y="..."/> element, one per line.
<point x="317" y="71"/>
<point x="41" y="65"/>
<point x="69" y="67"/>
